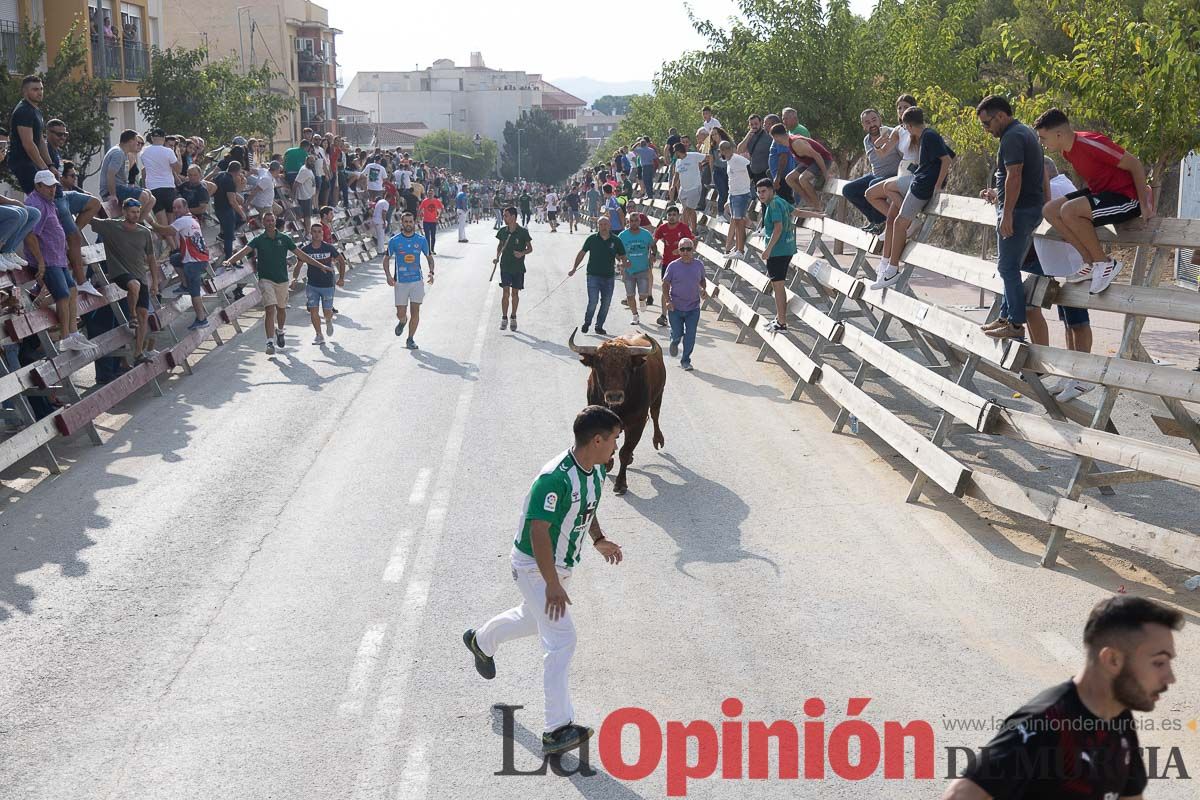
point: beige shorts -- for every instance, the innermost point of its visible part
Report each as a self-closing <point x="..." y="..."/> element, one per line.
<point x="273" y="294"/>
<point x="412" y="292"/>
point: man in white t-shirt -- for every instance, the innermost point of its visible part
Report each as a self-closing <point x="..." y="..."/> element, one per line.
<point x="552" y="210"/>
<point x="262" y="187"/>
<point x="305" y="188"/>
<point x="321" y="172"/>
<point x="741" y="193"/>
<point x="710" y="121"/>
<point x="375" y="173"/>
<point x="161" y="167"/>
<point x="379" y="223"/>
<point x="686" y="183"/>
<point x="193" y="259"/>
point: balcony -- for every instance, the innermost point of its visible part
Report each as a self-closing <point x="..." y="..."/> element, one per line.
<point x="315" y="70"/>
<point x="137" y="61"/>
<point x="106" y="59"/>
<point x="10" y="42"/>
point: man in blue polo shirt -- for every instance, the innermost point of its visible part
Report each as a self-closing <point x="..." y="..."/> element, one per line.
<point x="462" y="205"/>
<point x="407" y="247"/>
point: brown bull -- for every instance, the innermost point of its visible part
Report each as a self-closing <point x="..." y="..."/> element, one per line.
<point x="628" y="376"/>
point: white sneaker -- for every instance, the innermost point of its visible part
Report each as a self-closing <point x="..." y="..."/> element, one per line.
<point x="87" y="288"/>
<point x="74" y="342"/>
<point x="329" y="327"/>
<point x="319" y="339"/>
<point x="887" y="277"/>
<point x="1084" y="274"/>
<point x="17" y="259"/>
<point x="740" y="255"/>
<point x="1103" y="275"/>
<point x="6" y="263"/>
<point x="636" y="321"/>
<point x="1074" y="390"/>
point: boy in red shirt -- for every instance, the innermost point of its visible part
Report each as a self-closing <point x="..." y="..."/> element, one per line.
<point x="431" y="212"/>
<point x="1116" y="192"/>
<point x="669" y="233"/>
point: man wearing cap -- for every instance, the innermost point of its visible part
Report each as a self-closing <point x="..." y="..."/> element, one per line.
<point x="46" y="246"/>
<point x="161" y="167"/>
<point x="129" y="255"/>
<point x="272" y="247"/>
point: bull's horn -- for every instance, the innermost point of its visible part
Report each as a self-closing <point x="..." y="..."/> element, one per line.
<point x="642" y="350"/>
<point x="579" y="349"/>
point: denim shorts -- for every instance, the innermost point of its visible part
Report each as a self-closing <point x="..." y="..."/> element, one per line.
<point x="193" y="277"/>
<point x="59" y="281"/>
<point x="69" y="205"/>
<point x="127" y="191"/>
<point x="636" y="283"/>
<point x="739" y="204"/>
<point x="318" y="296"/>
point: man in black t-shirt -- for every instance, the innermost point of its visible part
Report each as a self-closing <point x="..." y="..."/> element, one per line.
<point x="28" y="153"/>
<point x="1078" y="740"/>
<point x="227" y="204"/>
<point x="320" y="279"/>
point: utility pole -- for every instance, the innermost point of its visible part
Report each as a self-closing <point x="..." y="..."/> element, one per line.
<point x="449" y="149"/>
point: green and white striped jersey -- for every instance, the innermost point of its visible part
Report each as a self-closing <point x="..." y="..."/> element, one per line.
<point x="565" y="496"/>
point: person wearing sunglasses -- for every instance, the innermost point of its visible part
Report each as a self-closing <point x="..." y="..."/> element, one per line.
<point x="683" y="285"/>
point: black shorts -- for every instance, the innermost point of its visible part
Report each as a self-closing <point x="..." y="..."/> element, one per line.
<point x="143" y="300"/>
<point x="777" y="267"/>
<point x="552" y="215"/>
<point x="164" y="199"/>
<point x="1109" y="208"/>
<point x="512" y="280"/>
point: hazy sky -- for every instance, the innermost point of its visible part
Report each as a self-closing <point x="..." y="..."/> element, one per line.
<point x="557" y="38"/>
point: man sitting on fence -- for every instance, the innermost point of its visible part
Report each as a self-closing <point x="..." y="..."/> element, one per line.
<point x="195" y="192"/>
<point x="883" y="166"/>
<point x="115" y="187"/>
<point x="1116" y="192"/>
<point x="46" y="247"/>
<point x="909" y="194"/>
<point x="75" y="207"/>
<point x="814" y="164"/>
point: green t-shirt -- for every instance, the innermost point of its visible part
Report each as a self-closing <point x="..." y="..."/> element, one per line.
<point x="780" y="210"/>
<point x="565" y="496"/>
<point x="524" y="201"/>
<point x="293" y="159"/>
<point x="800" y="130"/>
<point x="515" y="241"/>
<point x="602" y="255"/>
<point x="272" y="256"/>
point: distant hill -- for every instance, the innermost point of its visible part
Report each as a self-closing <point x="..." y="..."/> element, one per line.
<point x="589" y="89"/>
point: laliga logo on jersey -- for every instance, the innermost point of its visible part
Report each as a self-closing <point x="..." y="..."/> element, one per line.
<point x="551" y="502"/>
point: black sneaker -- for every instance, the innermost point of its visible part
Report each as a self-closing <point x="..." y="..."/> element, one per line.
<point x="279" y="340"/>
<point x="568" y="737"/>
<point x="400" y="327"/>
<point x="600" y="331"/>
<point x="484" y="665"/>
<point x="411" y="345"/>
<point x="585" y="327"/>
<point x="661" y="321"/>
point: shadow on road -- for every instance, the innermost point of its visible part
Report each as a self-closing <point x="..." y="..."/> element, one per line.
<point x="707" y="532"/>
<point x="599" y="786"/>
<point x="446" y="366"/>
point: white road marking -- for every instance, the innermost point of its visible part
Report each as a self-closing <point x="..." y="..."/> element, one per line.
<point x="419" y="487"/>
<point x="379" y="749"/>
<point x="1061" y="648"/>
<point x="414" y="781"/>
<point x="395" y="566"/>
<point x="363" y="668"/>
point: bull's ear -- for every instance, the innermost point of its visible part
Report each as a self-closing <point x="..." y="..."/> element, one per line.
<point x="587" y="359"/>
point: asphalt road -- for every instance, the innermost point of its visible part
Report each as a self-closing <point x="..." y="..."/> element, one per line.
<point x="257" y="588"/>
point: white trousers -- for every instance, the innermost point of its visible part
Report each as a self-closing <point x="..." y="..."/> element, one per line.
<point x="381" y="238"/>
<point x="557" y="637"/>
<point x="462" y="224"/>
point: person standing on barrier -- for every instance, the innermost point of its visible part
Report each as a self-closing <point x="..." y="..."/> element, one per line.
<point x="683" y="285"/>
<point x="741" y="192"/>
<point x="883" y="166"/>
<point x="515" y="245"/>
<point x="603" y="249"/>
<point x="559" y="509"/>
<point x="1019" y="195"/>
<point x="1079" y="739"/>
<point x="46" y="247"/>
<point x="779" y="228"/>
<point x="670" y="233"/>
<point x="193" y="259"/>
<point x="407" y="247"/>
<point x="756" y="146"/>
<point x="687" y="185"/>
<point x="1116" y="192"/>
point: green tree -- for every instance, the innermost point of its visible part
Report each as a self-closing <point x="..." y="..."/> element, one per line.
<point x="550" y="151"/>
<point x="72" y="96"/>
<point x="612" y="104"/>
<point x="185" y="93"/>
<point x="472" y="162"/>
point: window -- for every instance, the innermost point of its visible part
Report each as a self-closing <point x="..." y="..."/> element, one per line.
<point x="304" y="45"/>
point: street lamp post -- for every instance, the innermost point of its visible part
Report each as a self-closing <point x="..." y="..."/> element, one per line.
<point x="519" y="154"/>
<point x="449" y="129"/>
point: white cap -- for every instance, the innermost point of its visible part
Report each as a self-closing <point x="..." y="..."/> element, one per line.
<point x="45" y="177"/>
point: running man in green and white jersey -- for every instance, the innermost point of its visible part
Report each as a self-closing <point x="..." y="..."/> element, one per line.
<point x="559" y="508"/>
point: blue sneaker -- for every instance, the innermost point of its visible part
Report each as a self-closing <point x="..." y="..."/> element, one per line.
<point x="198" y="324"/>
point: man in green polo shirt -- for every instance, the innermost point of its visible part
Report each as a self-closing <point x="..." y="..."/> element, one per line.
<point x="559" y="508"/>
<point x="293" y="160"/>
<point x="271" y="248"/>
<point x="515" y="244"/>
<point x="602" y="249"/>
